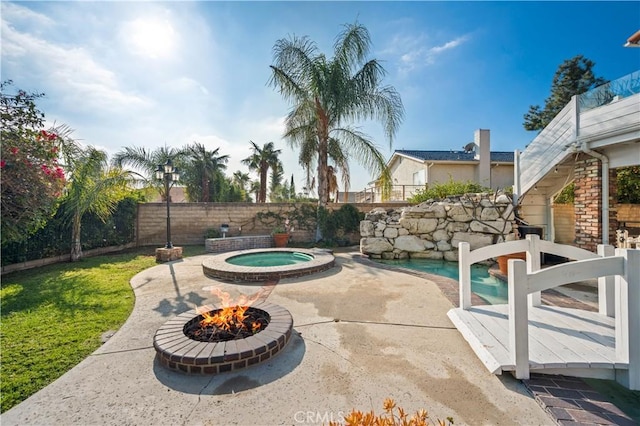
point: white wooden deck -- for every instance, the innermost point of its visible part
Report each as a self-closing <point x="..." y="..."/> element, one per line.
<point x="559" y="338"/>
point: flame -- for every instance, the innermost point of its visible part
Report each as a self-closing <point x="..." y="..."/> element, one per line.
<point x="232" y="314"/>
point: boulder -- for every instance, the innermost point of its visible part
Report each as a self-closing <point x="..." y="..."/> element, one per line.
<point x="428" y="254"/>
<point x="443" y="246"/>
<point x="409" y="243"/>
<point x="499" y="227"/>
<point x="460" y="214"/>
<point x="489" y="213"/>
<point x="374" y="245"/>
<point x="366" y="228"/>
<point x="426" y="225"/>
<point x="451" y="256"/>
<point x="441" y="235"/>
<point x="457" y="227"/>
<point x="390" y="232"/>
<point x="475" y="240"/>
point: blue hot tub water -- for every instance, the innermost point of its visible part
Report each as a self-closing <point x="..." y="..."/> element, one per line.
<point x="491" y="289"/>
<point x="262" y="259"/>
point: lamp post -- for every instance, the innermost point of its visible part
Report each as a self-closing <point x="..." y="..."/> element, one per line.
<point x="169" y="175"/>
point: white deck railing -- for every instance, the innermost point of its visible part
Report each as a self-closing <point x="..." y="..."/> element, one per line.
<point x="533" y="246"/>
<point x="618" y="292"/>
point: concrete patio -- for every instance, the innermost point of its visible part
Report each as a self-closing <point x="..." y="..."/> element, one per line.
<point x="361" y="335"/>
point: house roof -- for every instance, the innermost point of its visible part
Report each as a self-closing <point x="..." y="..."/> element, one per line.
<point x="496" y="156"/>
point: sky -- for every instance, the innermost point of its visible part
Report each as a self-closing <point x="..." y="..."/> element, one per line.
<point x="153" y="74"/>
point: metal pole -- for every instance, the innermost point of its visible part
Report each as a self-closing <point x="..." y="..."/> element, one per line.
<point x="166" y="186"/>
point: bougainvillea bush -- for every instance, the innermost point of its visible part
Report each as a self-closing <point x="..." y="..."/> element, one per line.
<point x="30" y="176"/>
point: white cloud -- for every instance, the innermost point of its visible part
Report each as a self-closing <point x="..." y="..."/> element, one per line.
<point x="16" y="14"/>
<point x="413" y="52"/>
<point x="71" y="72"/>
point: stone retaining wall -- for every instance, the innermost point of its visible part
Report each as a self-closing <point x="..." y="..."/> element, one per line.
<point x="432" y="230"/>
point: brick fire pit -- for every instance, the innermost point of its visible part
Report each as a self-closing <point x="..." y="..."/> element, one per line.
<point x="178" y="352"/>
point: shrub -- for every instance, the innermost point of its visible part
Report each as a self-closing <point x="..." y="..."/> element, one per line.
<point x="389" y="417"/>
<point x="443" y="190"/>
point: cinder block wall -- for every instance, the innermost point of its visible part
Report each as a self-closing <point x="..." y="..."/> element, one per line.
<point x="189" y="221"/>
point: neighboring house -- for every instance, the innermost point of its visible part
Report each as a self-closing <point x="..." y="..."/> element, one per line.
<point x="412" y="170"/>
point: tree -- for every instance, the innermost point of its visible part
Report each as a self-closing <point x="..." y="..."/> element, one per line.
<point x="328" y="96"/>
<point x="31" y="178"/>
<point x="201" y="168"/>
<point x="573" y="77"/>
<point x="241" y="180"/>
<point x="146" y="162"/>
<point x="93" y="187"/>
<point x="261" y="160"/>
<point x="629" y="185"/>
<point x="292" y="189"/>
<point x="276" y="190"/>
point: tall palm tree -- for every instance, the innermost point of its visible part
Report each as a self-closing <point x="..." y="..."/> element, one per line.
<point x="261" y="160"/>
<point x="145" y="162"/>
<point x="201" y="168"/>
<point x="241" y="179"/>
<point x="93" y="187"/>
<point x="329" y="95"/>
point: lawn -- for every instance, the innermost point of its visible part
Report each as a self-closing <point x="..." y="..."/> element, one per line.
<point x="53" y="317"/>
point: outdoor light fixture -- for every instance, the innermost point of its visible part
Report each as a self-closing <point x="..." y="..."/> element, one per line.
<point x="169" y="175"/>
<point x="224" y="228"/>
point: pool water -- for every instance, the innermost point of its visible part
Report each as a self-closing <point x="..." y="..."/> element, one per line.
<point x="484" y="285"/>
<point x="270" y="259"/>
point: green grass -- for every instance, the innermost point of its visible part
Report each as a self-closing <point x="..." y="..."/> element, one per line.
<point x="53" y="317"/>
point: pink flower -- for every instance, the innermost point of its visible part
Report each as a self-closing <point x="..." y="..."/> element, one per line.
<point x="14" y="150"/>
<point x="2" y="164"/>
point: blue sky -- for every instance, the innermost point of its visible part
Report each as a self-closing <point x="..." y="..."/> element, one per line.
<point x="150" y="74"/>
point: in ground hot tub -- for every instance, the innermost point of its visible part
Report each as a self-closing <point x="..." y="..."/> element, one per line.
<point x="267" y="264"/>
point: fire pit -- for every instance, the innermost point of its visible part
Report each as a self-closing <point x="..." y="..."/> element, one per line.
<point x="219" y="339"/>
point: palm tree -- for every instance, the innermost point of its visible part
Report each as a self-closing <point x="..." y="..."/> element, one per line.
<point x="328" y="96"/>
<point x="261" y="160"/>
<point x="93" y="187"/>
<point x="146" y="162"/>
<point x="241" y="179"/>
<point x="201" y="168"/>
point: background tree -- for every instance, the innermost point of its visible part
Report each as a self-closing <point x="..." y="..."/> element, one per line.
<point x="573" y="77"/>
<point x="292" y="189"/>
<point x="201" y="168"/>
<point x="629" y="185"/>
<point x="93" y="187"/>
<point x="242" y="180"/>
<point x="31" y="178"/>
<point x="276" y="189"/>
<point x="144" y="163"/>
<point x="328" y="96"/>
<point x="261" y="160"/>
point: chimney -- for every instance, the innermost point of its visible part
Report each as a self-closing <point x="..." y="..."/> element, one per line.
<point x="483" y="154"/>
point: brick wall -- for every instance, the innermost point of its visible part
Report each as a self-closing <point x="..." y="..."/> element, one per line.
<point x="588" y="203"/>
<point x="189" y="221"/>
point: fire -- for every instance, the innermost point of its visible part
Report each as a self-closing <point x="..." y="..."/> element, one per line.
<point x="232" y="315"/>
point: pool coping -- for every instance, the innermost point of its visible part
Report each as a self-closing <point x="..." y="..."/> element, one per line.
<point x="217" y="266"/>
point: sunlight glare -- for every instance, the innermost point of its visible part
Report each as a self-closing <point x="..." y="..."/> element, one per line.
<point x="151" y="37"/>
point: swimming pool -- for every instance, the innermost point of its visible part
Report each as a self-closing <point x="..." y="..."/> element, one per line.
<point x="483" y="284"/>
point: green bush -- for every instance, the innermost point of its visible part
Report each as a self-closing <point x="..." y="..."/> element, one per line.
<point x="443" y="190"/>
<point x="334" y="225"/>
<point x="55" y="238"/>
